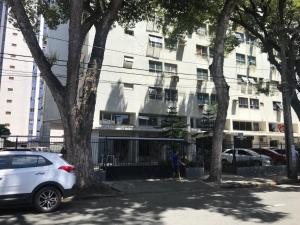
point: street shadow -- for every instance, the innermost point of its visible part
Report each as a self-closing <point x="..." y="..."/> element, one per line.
<point x="152" y="207"/>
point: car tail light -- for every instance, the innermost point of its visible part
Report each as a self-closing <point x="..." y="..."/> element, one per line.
<point x="68" y="169"/>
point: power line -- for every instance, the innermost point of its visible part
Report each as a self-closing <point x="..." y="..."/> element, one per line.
<point x="139" y="69"/>
<point x="129" y="53"/>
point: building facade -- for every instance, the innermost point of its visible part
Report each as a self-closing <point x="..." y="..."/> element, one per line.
<point x="143" y="78"/>
<point x="21" y="87"/>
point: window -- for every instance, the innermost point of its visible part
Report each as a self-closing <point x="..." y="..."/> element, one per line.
<point x="13" y="44"/>
<point x="250" y="39"/>
<point x="170" y="69"/>
<point x="242" y="152"/>
<point x="240" y="58"/>
<point x="255" y="126"/>
<point x="254" y="103"/>
<point x="11" y="78"/>
<point x="148" y="120"/>
<point x="8" y="113"/>
<point x="202" y="50"/>
<point x="128" y="62"/>
<point x="12" y="67"/>
<point x="243" y="102"/>
<point x="121" y="119"/>
<point x="252" y="80"/>
<point x="251" y="60"/>
<point x="171" y="95"/>
<point x="273" y="127"/>
<point x="277" y="106"/>
<point x="154" y="46"/>
<point x="31" y="109"/>
<point x="4" y="162"/>
<point x="213" y="99"/>
<point x="203" y="98"/>
<point x="114" y="118"/>
<point x="202" y="74"/>
<point x="10" y="89"/>
<point x="240" y="37"/>
<point x="155" y="67"/>
<point x="22" y="161"/>
<point x="43" y="162"/>
<point x="241" y="125"/>
<point x="155" y="42"/>
<point x="155" y="93"/>
<point x="129" y="31"/>
<point x="9" y="101"/>
<point x="128" y="85"/>
<point x="15" y="34"/>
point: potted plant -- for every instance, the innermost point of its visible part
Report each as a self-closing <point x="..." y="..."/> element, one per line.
<point x="194" y="169"/>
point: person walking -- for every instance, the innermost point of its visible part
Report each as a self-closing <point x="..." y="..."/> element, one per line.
<point x="176" y="162"/>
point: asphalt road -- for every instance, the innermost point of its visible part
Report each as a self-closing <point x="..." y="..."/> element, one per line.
<point x="181" y="204"/>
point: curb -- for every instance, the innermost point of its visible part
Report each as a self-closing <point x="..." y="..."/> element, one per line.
<point x="95" y="196"/>
<point x="287" y="181"/>
<point x="247" y="184"/>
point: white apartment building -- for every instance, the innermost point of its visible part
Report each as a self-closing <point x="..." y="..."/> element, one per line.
<point x="21" y="88"/>
<point x="142" y="77"/>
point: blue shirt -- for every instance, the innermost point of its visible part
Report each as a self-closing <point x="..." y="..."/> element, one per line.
<point x="175" y="160"/>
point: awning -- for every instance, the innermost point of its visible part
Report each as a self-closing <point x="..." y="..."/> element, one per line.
<point x="251" y="80"/>
<point x="279" y="105"/>
<point x="244" y="79"/>
<point x="155" y="39"/>
<point x="128" y="59"/>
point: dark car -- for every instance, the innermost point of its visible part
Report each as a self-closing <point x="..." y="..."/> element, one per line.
<point x="280" y="151"/>
<point x="276" y="157"/>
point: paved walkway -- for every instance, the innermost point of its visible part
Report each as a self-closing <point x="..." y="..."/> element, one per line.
<point x="166" y="185"/>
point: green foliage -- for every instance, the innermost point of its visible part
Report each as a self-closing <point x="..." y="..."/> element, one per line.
<point x="174" y="126"/>
<point x="58" y="11"/>
<point x="4" y="131"/>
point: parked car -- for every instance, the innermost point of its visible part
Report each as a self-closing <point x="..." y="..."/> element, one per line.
<point x="41" y="178"/>
<point x="276" y="158"/>
<point x="280" y="151"/>
<point x="245" y="156"/>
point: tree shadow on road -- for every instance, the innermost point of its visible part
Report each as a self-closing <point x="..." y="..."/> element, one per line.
<point x="152" y="207"/>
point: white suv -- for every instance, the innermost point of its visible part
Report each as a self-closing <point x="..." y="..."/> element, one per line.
<point x="43" y="178"/>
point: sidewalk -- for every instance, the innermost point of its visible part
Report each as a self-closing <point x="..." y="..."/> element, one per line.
<point x="129" y="187"/>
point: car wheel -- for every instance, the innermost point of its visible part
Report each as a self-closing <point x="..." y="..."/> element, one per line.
<point x="47" y="199"/>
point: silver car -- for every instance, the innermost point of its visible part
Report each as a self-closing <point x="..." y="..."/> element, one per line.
<point x="246" y="155"/>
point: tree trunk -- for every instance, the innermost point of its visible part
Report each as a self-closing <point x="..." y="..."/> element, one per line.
<point x="295" y="103"/>
<point x="287" y="70"/>
<point x="222" y="89"/>
<point x="78" y="145"/>
<point x="287" y="93"/>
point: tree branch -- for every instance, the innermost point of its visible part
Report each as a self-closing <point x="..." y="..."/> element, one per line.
<point x="40" y="59"/>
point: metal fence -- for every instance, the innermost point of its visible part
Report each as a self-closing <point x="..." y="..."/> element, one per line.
<point x="145" y="151"/>
<point x="108" y="151"/>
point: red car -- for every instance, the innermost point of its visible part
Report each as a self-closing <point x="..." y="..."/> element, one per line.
<point x="275" y="157"/>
